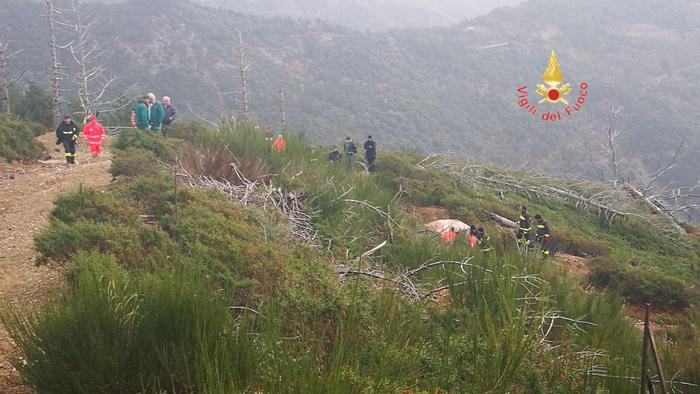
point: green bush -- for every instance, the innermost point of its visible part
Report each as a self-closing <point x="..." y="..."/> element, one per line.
<point x="132" y="162"/>
<point x="17" y="139"/>
<point x="144" y="140"/>
<point x="640" y="285"/>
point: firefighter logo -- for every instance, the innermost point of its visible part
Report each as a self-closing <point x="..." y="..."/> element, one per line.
<point x="551" y="91"/>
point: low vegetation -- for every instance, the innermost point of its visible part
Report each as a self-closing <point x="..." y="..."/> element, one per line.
<point x="184" y="289"/>
<point x="17" y="139"/>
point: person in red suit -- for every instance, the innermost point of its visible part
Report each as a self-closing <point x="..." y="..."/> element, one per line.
<point x="94" y="133"/>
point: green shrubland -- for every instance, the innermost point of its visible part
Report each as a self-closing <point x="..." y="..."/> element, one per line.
<point x="182" y="290"/>
<point x="17" y="139"/>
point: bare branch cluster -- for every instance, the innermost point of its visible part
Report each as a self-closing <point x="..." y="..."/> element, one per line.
<point x="262" y="194"/>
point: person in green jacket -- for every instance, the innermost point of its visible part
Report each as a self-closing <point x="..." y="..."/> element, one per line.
<point x="140" y="114"/>
<point x="157" y="113"/>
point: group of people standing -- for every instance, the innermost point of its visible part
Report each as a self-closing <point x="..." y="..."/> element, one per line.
<point x="542" y="232"/>
<point x="350" y="150"/>
<point x="67" y="133"/>
<point x="150" y="114"/>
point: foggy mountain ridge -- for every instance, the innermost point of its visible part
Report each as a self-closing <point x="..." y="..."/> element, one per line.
<point x="441" y="89"/>
<point x="363" y="14"/>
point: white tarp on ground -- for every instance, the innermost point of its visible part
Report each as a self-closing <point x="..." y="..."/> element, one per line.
<point x="440" y="226"/>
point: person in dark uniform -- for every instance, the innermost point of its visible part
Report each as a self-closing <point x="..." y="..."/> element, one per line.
<point x="542" y="235"/>
<point x="484" y="240"/>
<point x="370" y="152"/>
<point x="67" y="134"/>
<point x="524" y="227"/>
<point x="335" y="155"/>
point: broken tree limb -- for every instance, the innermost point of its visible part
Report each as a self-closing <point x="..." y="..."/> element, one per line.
<point x="655" y="206"/>
<point x="504" y="221"/>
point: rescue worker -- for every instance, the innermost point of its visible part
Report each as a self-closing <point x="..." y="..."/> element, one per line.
<point x="484" y="240"/>
<point x="449" y="236"/>
<point x="67" y="134"/>
<point x="94" y="134"/>
<point x="139" y="115"/>
<point x="156" y="113"/>
<point x="542" y="235"/>
<point x="370" y="152"/>
<point x="335" y="155"/>
<point x="472" y="237"/>
<point x="524" y="227"/>
<point x="350" y="150"/>
<point x="278" y="145"/>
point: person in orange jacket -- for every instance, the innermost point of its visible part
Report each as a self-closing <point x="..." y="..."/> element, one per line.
<point x="473" y="237"/>
<point x="94" y="133"/>
<point x="279" y="145"/>
<point x="449" y="236"/>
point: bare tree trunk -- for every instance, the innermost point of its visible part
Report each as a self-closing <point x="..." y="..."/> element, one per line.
<point x="54" y="67"/>
<point x="244" y="75"/>
<point x="90" y="78"/>
<point x="4" y="94"/>
<point x="283" y="111"/>
<point x="613" y="132"/>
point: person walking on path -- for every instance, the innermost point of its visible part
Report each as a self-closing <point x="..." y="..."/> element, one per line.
<point x="139" y="114"/>
<point x="370" y="152"/>
<point x="156" y="114"/>
<point x="94" y="134"/>
<point x="279" y="145"/>
<point x="542" y="235"/>
<point x="67" y="134"/>
<point x="350" y="150"/>
<point x="524" y="227"/>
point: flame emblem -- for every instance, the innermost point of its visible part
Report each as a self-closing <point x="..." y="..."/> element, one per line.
<point x="552" y="77"/>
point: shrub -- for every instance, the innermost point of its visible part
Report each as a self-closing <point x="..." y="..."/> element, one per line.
<point x="17" y="139"/>
<point x="143" y="140"/>
<point x="640" y="285"/>
<point x="135" y="161"/>
<point x="578" y="245"/>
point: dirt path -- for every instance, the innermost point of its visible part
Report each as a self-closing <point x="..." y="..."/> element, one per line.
<point x="27" y="193"/>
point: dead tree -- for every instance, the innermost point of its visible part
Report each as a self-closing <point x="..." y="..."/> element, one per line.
<point x="610" y="176"/>
<point x="661" y="203"/>
<point x="283" y="111"/>
<point x="5" y="83"/>
<point x="91" y="77"/>
<point x="243" y="66"/>
<point x="55" y="66"/>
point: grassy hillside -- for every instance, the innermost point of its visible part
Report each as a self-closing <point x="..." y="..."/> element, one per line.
<point x="441" y="89"/>
<point x="184" y="288"/>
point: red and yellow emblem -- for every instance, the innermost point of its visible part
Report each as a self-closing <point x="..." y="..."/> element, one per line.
<point x="551" y="91"/>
